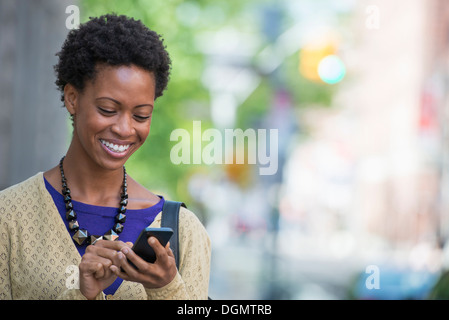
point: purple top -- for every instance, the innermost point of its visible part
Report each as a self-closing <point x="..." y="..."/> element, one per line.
<point x="99" y="220"/>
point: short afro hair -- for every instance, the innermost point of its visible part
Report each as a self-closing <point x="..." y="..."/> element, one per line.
<point x="115" y="40"/>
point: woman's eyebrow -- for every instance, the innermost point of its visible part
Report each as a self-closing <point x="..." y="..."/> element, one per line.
<point x="118" y="102"/>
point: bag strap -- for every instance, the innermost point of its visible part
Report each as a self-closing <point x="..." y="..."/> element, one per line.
<point x="170" y="217"/>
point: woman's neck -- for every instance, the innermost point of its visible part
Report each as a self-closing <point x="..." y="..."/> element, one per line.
<point x="90" y="183"/>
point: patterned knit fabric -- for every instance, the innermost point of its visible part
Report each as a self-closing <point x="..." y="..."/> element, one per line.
<point x="39" y="261"/>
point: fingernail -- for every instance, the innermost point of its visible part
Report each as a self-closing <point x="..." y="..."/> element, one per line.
<point x="125" y="250"/>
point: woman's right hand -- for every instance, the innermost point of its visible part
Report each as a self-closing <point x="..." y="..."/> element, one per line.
<point x="95" y="266"/>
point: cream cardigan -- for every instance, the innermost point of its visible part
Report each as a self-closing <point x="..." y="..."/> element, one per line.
<point x="38" y="259"/>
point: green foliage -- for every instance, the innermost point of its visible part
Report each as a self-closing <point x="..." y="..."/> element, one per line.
<point x="440" y="291"/>
<point x="180" y="23"/>
<point x="184" y="98"/>
<point x="306" y="93"/>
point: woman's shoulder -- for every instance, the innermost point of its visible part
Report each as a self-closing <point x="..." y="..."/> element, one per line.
<point x="187" y="216"/>
<point x="15" y="198"/>
<point x="190" y="223"/>
<point x="194" y="241"/>
<point x="23" y="188"/>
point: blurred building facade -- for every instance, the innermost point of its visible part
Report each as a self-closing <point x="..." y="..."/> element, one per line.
<point x="369" y="184"/>
<point x="435" y="106"/>
<point x="33" y="123"/>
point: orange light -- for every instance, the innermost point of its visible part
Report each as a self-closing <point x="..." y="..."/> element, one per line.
<point x="310" y="57"/>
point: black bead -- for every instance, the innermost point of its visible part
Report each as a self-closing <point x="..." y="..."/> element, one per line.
<point x="68" y="205"/>
<point x="111" y="235"/>
<point x="74" y="225"/>
<point x="94" y="238"/>
<point x="120" y="218"/>
<point x="70" y="215"/>
<point x="118" y="227"/>
<point x="81" y="236"/>
<point x="124" y="202"/>
<point x="67" y="198"/>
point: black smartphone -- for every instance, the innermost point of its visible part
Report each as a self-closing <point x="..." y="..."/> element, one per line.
<point x="143" y="249"/>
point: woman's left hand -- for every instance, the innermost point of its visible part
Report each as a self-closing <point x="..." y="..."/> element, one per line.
<point x="151" y="275"/>
<point x="95" y="267"/>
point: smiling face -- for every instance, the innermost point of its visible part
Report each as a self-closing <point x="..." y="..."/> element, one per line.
<point x="112" y="114"/>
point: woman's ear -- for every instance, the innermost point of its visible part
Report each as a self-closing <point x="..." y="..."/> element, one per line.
<point x="71" y="98"/>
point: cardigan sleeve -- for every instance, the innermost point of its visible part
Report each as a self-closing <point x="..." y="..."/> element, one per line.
<point x="5" y="279"/>
<point x="192" y="280"/>
<point x="75" y="294"/>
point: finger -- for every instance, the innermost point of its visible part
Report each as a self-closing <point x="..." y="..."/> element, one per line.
<point x="163" y="254"/>
<point x="123" y="271"/>
<point x="105" y="255"/>
<point x="118" y="272"/>
<point x="138" y="262"/>
<point x="91" y="267"/>
<point x="113" y="245"/>
<point x="102" y="270"/>
<point x="97" y="257"/>
<point x="100" y="273"/>
<point x="169" y="250"/>
<point x="159" y="250"/>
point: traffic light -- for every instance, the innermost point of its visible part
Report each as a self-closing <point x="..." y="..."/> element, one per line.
<point x="318" y="62"/>
<point x="331" y="69"/>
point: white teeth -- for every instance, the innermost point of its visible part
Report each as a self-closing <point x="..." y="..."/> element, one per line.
<point x="115" y="147"/>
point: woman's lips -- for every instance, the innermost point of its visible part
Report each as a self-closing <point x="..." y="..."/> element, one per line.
<point x="115" y="149"/>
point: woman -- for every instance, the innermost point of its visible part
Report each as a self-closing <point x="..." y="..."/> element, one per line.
<point x="67" y="233"/>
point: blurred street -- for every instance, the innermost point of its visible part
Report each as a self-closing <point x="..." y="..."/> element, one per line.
<point x="357" y="94"/>
<point x="362" y="183"/>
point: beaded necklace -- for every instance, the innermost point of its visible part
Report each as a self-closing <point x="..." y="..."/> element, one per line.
<point x="82" y="236"/>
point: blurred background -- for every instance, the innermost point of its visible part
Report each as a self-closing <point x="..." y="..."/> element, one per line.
<point x="359" y="206"/>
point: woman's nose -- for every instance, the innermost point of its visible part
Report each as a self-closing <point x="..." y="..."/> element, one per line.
<point x="124" y="126"/>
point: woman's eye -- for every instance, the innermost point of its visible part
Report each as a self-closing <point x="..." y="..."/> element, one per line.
<point x="106" y="111"/>
<point x="142" y="118"/>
